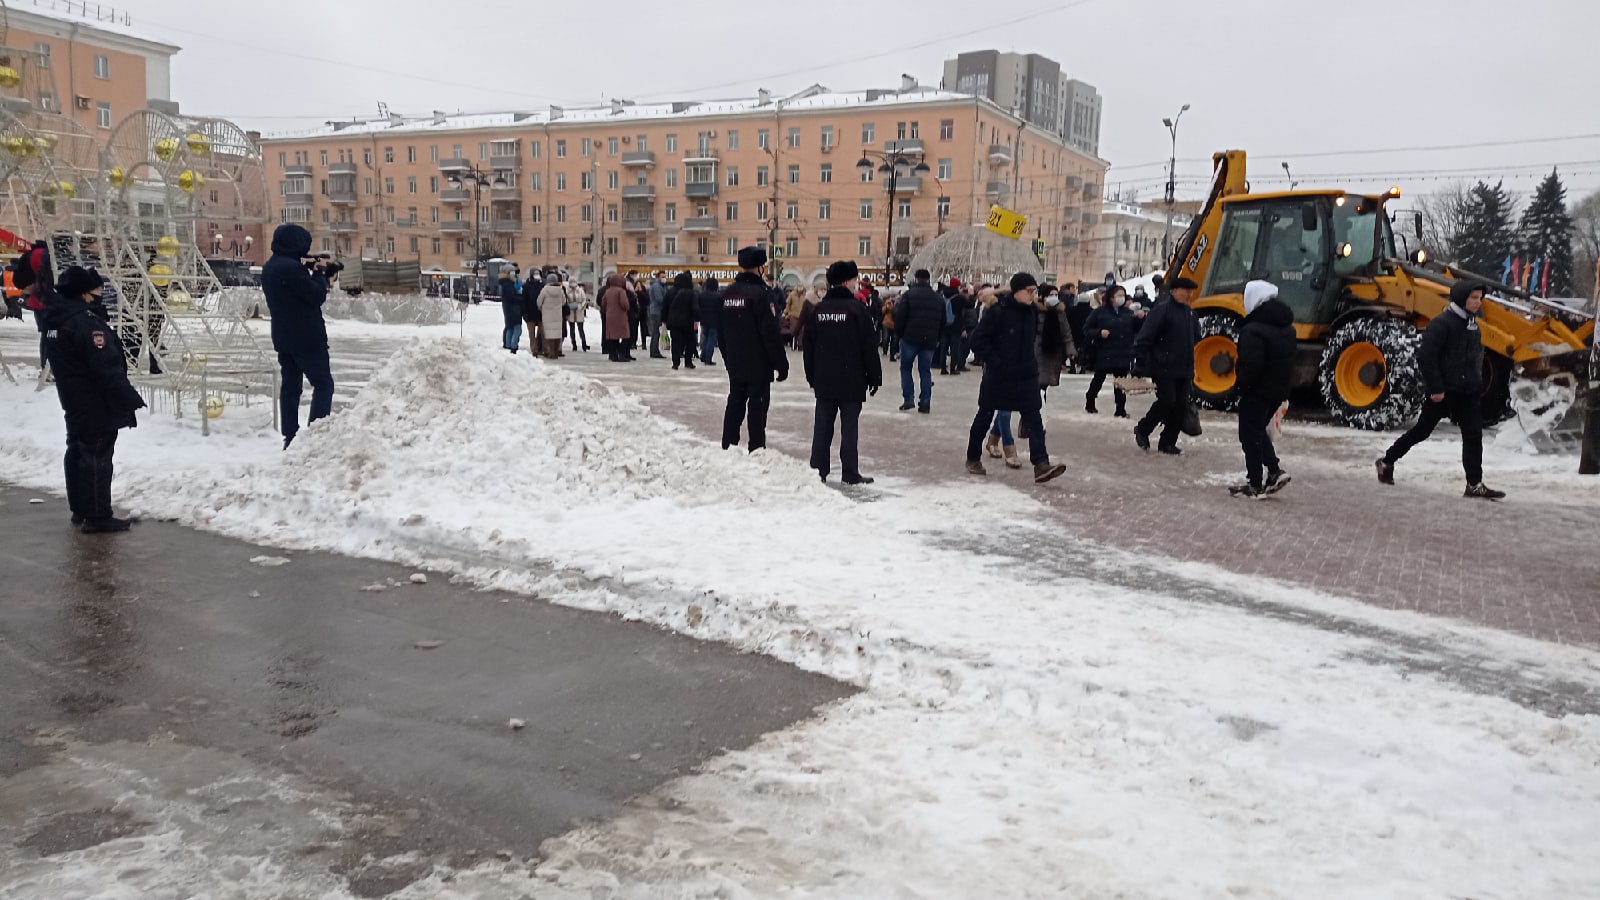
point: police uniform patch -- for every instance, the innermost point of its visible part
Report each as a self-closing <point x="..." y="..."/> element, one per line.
<point x="100" y="340"/>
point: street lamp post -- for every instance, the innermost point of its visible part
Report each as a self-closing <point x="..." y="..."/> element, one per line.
<point x="890" y="166"/>
<point x="480" y="179"/>
<point x="1172" y="181"/>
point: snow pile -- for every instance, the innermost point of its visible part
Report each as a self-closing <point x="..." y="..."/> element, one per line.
<point x="399" y="309"/>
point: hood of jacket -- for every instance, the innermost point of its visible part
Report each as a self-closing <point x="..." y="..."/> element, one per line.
<point x="291" y="240"/>
<point x="1462" y="289"/>
<point x="1272" y="311"/>
<point x="1256" y="293"/>
<point x="617" y="280"/>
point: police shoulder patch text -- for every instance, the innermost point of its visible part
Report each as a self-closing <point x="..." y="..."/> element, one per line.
<point x="99" y="338"/>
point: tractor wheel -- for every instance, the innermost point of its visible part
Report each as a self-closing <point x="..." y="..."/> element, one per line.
<point x="1216" y="361"/>
<point x="1369" y="374"/>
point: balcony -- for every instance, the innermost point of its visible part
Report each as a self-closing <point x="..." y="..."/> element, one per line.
<point x="638" y="226"/>
<point x="638" y="192"/>
<point x="297" y="198"/>
<point x="511" y="193"/>
<point x="998" y="189"/>
<point x="1074" y="182"/>
<point x="342" y="196"/>
<point x="999" y="154"/>
<point x="342" y="168"/>
<point x="1091" y="190"/>
<point x="455" y="195"/>
<point x="342" y="226"/>
<point x="507" y="163"/>
<point x="700" y="155"/>
<point x="454" y="164"/>
<point x="905" y="184"/>
<point x="301" y="171"/>
<point x="300" y="215"/>
<point x="505" y="226"/>
<point x="700" y="189"/>
<point x="645" y="158"/>
<point x="909" y="145"/>
<point x="700" y="223"/>
<point x="1089" y="218"/>
<point x="455" y="226"/>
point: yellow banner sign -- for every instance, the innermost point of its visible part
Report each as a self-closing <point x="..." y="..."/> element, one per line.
<point x="1004" y="222"/>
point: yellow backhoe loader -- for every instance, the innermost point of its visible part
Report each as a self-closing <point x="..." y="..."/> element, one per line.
<point x="1359" y="308"/>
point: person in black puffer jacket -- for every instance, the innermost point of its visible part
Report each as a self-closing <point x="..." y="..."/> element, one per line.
<point x="839" y="347"/>
<point x="710" y="302"/>
<point x="752" y="350"/>
<point x="295" y="294"/>
<point x="1108" y="333"/>
<point x="1267" y="347"/>
<point x="918" y="322"/>
<point x="1164" y="353"/>
<point x="682" y="310"/>
<point x="1451" y="360"/>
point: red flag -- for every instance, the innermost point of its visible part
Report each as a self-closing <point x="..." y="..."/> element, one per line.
<point x="1544" y="278"/>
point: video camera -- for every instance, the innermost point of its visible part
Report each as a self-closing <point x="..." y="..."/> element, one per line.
<point x="330" y="266"/>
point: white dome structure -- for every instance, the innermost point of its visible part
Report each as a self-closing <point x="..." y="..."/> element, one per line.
<point x="976" y="255"/>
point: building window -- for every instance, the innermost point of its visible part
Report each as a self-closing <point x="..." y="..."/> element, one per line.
<point x="611" y="179"/>
<point x="824" y="210"/>
<point x="866" y="208"/>
<point x="43" y="51"/>
<point x="561" y="246"/>
<point x="763" y="177"/>
<point x="434" y="245"/>
<point x="366" y="156"/>
<point x="904" y="210"/>
<point x="611" y="246"/>
<point x="670" y="212"/>
<point x="672" y="177"/>
<point x="702" y="245"/>
<point x="415" y="243"/>
<point x="388" y="184"/>
<point x="733" y="246"/>
<point x="535" y="246"/>
<point x="585" y="146"/>
<point x="794" y="137"/>
<point x="411" y="157"/>
<point x="791" y="247"/>
<point x="641" y="143"/>
<point x="433" y="214"/>
<point x="794" y="174"/>
<point x="915" y="131"/>
<point x="535" y="150"/>
<point x="102" y="112"/>
<point x="733" y="139"/>
<point x="536" y="214"/>
<point x="433" y="184"/>
<point x="561" y="214"/>
<point x="943" y="207"/>
<point x="433" y="153"/>
<point x="669" y="244"/>
<point x="585" y="213"/>
<point x="585" y="181"/>
<point x="611" y="146"/>
<point x="639" y="246"/>
<point x="826" y="175"/>
<point x="323" y="157"/>
<point x="561" y="181"/>
<point x="791" y="209"/>
<point x="388" y="154"/>
<point x="733" y="176"/>
<point x="672" y="143"/>
<point x="763" y="138"/>
<point x="411" y="184"/>
<point x="864" y="245"/>
<point x="612" y="213"/>
<point x="899" y="131"/>
<point x="761" y="211"/>
<point x="47" y="102"/>
<point x="730" y="211"/>
<point x="827" y="136"/>
<point x="561" y="148"/>
<point x="869" y="132"/>
<point x="824" y="247"/>
<point x="944" y="169"/>
<point x="866" y="173"/>
<point x="366" y="185"/>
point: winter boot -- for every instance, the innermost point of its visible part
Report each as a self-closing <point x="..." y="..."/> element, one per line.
<point x="1385" y="471"/>
<point x="1089" y="407"/>
<point x="1479" y="490"/>
<point x="1141" y="439"/>
<point x="975" y="467"/>
<point x="1276" y="481"/>
<point x="991" y="446"/>
<point x="107" y="525"/>
<point x="1010" y="452"/>
<point x="1247" y="491"/>
<point x="1045" y="471"/>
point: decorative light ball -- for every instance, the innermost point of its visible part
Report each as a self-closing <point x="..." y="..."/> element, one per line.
<point x="16" y="146"/>
<point x="198" y="143"/>
<point x="160" y="274"/>
<point x="168" y="246"/>
<point x="213" y="406"/>
<point x="117" y="177"/>
<point x="190" y="181"/>
<point x="178" y="299"/>
<point x="9" y="77"/>
<point x="44" y="143"/>
<point x="64" y="188"/>
<point x="166" y="148"/>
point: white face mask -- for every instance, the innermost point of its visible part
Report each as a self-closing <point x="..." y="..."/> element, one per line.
<point x="1119" y="300"/>
<point x="1052" y="300"/>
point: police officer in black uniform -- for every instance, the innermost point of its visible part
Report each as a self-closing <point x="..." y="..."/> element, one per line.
<point x="842" y="367"/>
<point x="752" y="349"/>
<point x="91" y="375"/>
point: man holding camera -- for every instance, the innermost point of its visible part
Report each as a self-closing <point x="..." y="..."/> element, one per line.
<point x="296" y="285"/>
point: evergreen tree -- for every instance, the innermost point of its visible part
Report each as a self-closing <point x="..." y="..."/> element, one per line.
<point x="1546" y="233"/>
<point x="1485" y="237"/>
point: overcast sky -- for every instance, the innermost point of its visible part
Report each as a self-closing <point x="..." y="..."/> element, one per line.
<point x="1304" y="81"/>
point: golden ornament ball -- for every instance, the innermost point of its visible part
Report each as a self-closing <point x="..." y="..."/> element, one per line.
<point x="9" y="77"/>
<point x="198" y="143"/>
<point x="213" y="406"/>
<point x="166" y="148"/>
<point x="168" y="246"/>
<point x="160" y="274"/>
<point x="179" y="300"/>
<point x="190" y="181"/>
<point x="117" y="177"/>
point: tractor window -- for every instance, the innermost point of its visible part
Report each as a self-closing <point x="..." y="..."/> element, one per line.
<point x="1355" y="222"/>
<point x="1236" y="252"/>
<point x="1294" y="257"/>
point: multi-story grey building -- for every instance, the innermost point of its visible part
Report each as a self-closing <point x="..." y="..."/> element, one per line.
<point x="1080" y="115"/>
<point x="1034" y="88"/>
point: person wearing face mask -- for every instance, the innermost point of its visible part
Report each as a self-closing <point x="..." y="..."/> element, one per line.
<point x="1006" y="338"/>
<point x="1108" y="332"/>
<point x="1054" y="345"/>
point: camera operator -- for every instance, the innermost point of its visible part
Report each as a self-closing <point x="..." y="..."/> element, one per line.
<point x="296" y="285"/>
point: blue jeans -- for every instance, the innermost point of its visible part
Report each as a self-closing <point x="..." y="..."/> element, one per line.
<point x="511" y="338"/>
<point x="1002" y="427"/>
<point x="924" y="359"/>
<point x="708" y="343"/>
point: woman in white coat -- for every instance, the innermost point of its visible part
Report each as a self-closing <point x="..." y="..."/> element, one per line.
<point x="552" y="314"/>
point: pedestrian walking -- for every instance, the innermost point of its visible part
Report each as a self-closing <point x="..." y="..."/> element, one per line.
<point x="91" y="377"/>
<point x="551" y="309"/>
<point x="839" y="349"/>
<point x="658" y="294"/>
<point x="532" y="320"/>
<point x="919" y="319"/>
<point x="710" y="306"/>
<point x="511" y="311"/>
<point x="296" y="286"/>
<point x="682" y="312"/>
<point x="616" y="328"/>
<point x="1451" y="360"/>
<point x="1108" y="334"/>
<point x="752" y="350"/>
<point x="1164" y="352"/>
<point x="1006" y="338"/>
<point x="1055" y="345"/>
<point x="887" y="343"/>
<point x="966" y="319"/>
<point x="576" y="312"/>
<point x="1265" y="370"/>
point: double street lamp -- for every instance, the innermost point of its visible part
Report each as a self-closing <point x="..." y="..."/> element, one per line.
<point x="891" y="166"/>
<point x="480" y="179"/>
<point x="1172" y="181"/>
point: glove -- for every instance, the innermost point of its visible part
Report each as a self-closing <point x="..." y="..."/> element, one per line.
<point x="783" y="375"/>
<point x="872" y="391"/>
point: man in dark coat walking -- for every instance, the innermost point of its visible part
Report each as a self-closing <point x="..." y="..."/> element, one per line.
<point x="91" y="375"/>
<point x="1267" y="348"/>
<point x="1164" y="353"/>
<point x="841" y="359"/>
<point x="918" y="321"/>
<point x="710" y="305"/>
<point x="752" y="349"/>
<point x="1005" y="341"/>
<point x="295" y="294"/>
<point x="1451" y="360"/>
<point x="681" y="312"/>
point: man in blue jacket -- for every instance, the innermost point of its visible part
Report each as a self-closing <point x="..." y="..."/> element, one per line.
<point x="1004" y="340"/>
<point x="296" y="287"/>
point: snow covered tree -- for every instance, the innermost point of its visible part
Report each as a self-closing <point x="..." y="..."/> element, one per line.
<point x="1485" y="238"/>
<point x="1546" y="233"/>
<point x="1586" y="239"/>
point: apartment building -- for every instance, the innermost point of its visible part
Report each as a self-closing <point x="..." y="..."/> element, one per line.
<point x="1035" y="88"/>
<point x="684" y="185"/>
<point x="86" y="61"/>
<point x="1135" y="239"/>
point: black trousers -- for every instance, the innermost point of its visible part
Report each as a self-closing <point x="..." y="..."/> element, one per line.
<point x="1099" y="380"/>
<point x="88" y="470"/>
<point x="682" y="344"/>
<point x="1032" y="423"/>
<point x="1172" y="399"/>
<point x="1464" y="410"/>
<point x="1256" y="440"/>
<point x="849" y="415"/>
<point x="754" y="398"/>
<point x="304" y="365"/>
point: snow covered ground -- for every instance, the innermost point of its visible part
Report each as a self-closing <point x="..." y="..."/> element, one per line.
<point x="1021" y="732"/>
